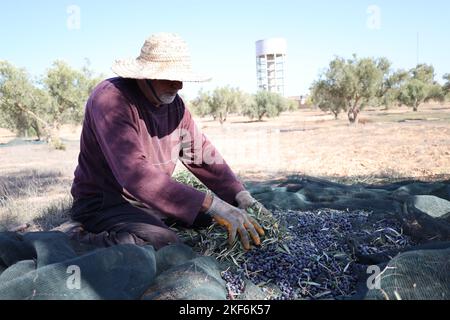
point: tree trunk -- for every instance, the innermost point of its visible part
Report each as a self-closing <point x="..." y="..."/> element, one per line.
<point x="51" y="131"/>
<point x="37" y="130"/>
<point x="353" y="115"/>
<point x="416" y="106"/>
<point x="336" y="115"/>
<point x="261" y="116"/>
<point x="353" y="111"/>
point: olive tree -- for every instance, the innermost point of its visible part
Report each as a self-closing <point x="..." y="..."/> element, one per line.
<point x="265" y="104"/>
<point x="292" y="105"/>
<point x="446" y="87"/>
<point x="201" y="104"/>
<point x="420" y="87"/>
<point x="58" y="98"/>
<point x="226" y="100"/>
<point x="21" y="102"/>
<point x="220" y="103"/>
<point x="69" y="89"/>
<point x="328" y="98"/>
<point x="350" y="85"/>
<point x="391" y="88"/>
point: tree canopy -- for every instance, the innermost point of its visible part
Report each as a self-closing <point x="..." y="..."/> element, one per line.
<point x="350" y="85"/>
<point x="41" y="106"/>
<point x="267" y="104"/>
<point x="420" y="87"/>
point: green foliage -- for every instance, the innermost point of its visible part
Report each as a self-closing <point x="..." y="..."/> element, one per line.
<point x="292" y="105"/>
<point x="350" y="85"/>
<point x="69" y="90"/>
<point x="20" y="101"/>
<point x="391" y="87"/>
<point x="267" y="104"/>
<point x="420" y="87"/>
<point x="423" y="72"/>
<point x="309" y="101"/>
<point x="189" y="179"/>
<point x="201" y="104"/>
<point x="226" y="100"/>
<point x="41" y="107"/>
<point x="220" y="103"/>
<point x="446" y="87"/>
<point x="327" y="97"/>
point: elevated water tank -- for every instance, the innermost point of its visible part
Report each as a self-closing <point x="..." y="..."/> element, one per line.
<point x="270" y="64"/>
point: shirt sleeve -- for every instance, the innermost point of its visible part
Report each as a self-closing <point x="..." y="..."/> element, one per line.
<point x="201" y="158"/>
<point x="116" y="131"/>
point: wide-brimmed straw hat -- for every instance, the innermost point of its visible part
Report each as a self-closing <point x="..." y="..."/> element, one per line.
<point x="164" y="56"/>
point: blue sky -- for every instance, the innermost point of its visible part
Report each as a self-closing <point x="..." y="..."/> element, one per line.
<point x="222" y="34"/>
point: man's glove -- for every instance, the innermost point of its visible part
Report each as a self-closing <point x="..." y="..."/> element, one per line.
<point x="246" y="201"/>
<point x="236" y="221"/>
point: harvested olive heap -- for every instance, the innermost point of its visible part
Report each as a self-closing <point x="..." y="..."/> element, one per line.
<point x="312" y="256"/>
<point x="323" y="236"/>
<point x="317" y="257"/>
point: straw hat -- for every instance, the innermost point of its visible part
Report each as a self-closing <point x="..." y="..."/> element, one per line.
<point x="164" y="56"/>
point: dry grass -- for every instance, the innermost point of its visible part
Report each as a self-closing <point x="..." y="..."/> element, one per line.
<point x="37" y="197"/>
<point x="387" y="146"/>
<point x="213" y="241"/>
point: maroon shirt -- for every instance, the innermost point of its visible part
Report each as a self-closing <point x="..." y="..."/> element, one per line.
<point x="130" y="147"/>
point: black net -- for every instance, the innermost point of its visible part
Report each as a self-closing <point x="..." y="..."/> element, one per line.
<point x="47" y="265"/>
<point x="197" y="279"/>
<point x="414" y="275"/>
<point x="400" y="229"/>
<point x="43" y="265"/>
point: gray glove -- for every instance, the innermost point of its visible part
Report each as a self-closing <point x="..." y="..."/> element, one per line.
<point x="235" y="221"/>
<point x="246" y="201"/>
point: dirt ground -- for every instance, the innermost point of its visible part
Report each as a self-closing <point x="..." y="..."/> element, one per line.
<point x="388" y="145"/>
<point x="385" y="146"/>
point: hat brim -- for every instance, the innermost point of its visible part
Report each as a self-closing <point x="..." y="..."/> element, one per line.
<point x="135" y="69"/>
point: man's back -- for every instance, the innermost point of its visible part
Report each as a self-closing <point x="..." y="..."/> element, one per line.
<point x="130" y="148"/>
<point x="119" y="99"/>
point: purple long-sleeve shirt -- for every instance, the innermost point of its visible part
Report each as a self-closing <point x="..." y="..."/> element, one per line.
<point x="130" y="147"/>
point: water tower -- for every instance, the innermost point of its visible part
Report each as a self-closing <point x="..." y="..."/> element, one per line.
<point x="270" y="64"/>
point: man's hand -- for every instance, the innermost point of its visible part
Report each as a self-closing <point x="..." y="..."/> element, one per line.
<point x="235" y="221"/>
<point x="246" y="201"/>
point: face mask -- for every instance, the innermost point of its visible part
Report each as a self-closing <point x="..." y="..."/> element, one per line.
<point x="167" y="99"/>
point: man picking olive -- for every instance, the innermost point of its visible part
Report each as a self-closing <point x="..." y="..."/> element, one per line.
<point x="135" y="129"/>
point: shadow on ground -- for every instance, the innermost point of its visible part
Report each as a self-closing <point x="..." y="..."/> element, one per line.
<point x="19" y="192"/>
<point x="28" y="182"/>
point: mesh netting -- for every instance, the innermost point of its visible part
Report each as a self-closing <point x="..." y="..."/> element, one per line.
<point x="43" y="265"/>
<point x="47" y="265"/>
<point x="414" y="275"/>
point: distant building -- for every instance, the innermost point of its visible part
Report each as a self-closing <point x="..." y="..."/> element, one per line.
<point x="270" y="64"/>
<point x="301" y="100"/>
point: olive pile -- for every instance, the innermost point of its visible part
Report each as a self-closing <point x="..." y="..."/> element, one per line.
<point x="316" y="260"/>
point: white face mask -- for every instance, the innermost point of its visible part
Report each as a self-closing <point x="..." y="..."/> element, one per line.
<point x="166" y="98"/>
